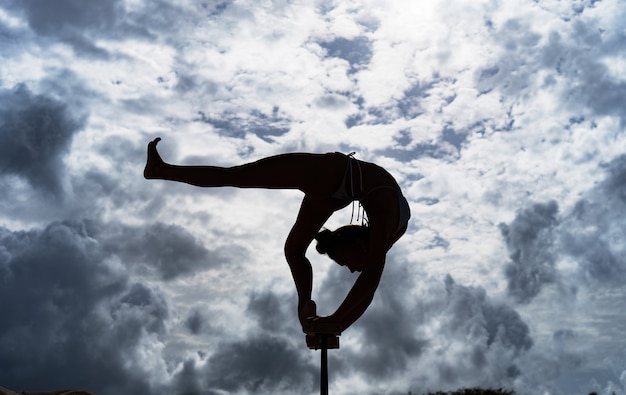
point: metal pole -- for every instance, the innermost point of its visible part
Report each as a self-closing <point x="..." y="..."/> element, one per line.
<point x="324" y="336"/>
<point x="324" y="367"/>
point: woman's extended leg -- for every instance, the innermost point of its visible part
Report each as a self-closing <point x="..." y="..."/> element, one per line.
<point x="311" y="173"/>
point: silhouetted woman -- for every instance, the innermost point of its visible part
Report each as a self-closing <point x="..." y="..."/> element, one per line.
<point x="330" y="182"/>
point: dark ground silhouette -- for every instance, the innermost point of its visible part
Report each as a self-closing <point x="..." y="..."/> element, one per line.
<point x="473" y="391"/>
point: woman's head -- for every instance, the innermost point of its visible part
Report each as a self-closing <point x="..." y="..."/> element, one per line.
<point x="347" y="245"/>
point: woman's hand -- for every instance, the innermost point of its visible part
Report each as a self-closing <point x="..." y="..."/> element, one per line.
<point x="307" y="313"/>
<point x="328" y="325"/>
<point x="312" y="323"/>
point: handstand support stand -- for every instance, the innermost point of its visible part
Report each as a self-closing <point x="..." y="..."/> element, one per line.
<point x="323" y="338"/>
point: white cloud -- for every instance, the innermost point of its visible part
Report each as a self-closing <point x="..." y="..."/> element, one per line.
<point x="486" y="112"/>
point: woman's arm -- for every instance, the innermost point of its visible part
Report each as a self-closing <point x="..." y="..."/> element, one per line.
<point x="362" y="293"/>
<point x="311" y="217"/>
<point x="359" y="298"/>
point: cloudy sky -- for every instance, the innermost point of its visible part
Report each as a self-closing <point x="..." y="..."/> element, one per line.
<point x="502" y="121"/>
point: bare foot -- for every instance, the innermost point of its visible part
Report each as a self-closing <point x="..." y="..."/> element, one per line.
<point x="154" y="162"/>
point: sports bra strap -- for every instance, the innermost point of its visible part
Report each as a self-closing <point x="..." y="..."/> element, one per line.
<point x="351" y="159"/>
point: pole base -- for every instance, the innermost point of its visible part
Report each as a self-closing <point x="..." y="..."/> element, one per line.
<point x="328" y="332"/>
<point x="314" y="341"/>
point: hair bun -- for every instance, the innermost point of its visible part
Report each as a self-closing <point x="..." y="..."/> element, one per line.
<point x="324" y="240"/>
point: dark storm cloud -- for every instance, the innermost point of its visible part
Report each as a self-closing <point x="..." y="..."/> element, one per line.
<point x="161" y="16"/>
<point x="530" y="240"/>
<point x="471" y="313"/>
<point x="614" y="185"/>
<point x="73" y="309"/>
<point x="75" y="22"/>
<point x="590" y="234"/>
<point x="385" y="330"/>
<point x="267" y="361"/>
<point x="36" y="131"/>
<point x="262" y="364"/>
<point x="122" y="185"/>
<point x="486" y="337"/>
<point x="594" y="232"/>
<point x="494" y="335"/>
<point x="388" y="329"/>
<point x="168" y="250"/>
<point x="187" y="381"/>
<point x="12" y="38"/>
<point x="593" y="251"/>
<point x="195" y="322"/>
<point x="52" y="17"/>
<point x="275" y="313"/>
<point x="81" y="24"/>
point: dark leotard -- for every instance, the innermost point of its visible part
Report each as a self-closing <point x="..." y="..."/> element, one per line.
<point x="342" y="192"/>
